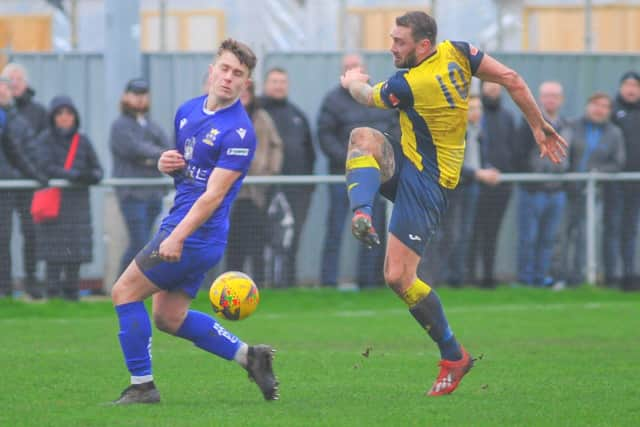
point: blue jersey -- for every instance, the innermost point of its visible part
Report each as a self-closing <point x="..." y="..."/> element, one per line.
<point x="207" y="140"/>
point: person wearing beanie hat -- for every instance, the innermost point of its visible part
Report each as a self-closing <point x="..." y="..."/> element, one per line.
<point x="136" y="142"/>
<point x="622" y="200"/>
<point x="66" y="242"/>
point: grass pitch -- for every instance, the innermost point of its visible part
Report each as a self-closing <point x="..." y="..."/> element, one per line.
<point x="550" y="359"/>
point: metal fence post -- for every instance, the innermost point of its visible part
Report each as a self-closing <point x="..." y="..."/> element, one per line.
<point x="591" y="229"/>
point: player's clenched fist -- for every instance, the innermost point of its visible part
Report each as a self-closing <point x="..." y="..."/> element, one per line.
<point x="170" y="249"/>
<point x="171" y="161"/>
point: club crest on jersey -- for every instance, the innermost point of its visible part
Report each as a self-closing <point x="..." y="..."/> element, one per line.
<point x="183" y="122"/>
<point x="211" y="137"/>
<point x="241" y="132"/>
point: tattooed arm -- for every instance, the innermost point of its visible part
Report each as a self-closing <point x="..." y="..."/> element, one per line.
<point x="355" y="81"/>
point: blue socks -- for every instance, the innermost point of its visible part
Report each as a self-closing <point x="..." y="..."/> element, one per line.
<point x="430" y="315"/>
<point x="135" y="340"/>
<point x="363" y="182"/>
<point x="209" y="335"/>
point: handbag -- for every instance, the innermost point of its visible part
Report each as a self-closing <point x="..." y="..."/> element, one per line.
<point x="45" y="205"/>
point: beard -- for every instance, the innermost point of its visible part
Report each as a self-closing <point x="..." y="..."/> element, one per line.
<point x="409" y="61"/>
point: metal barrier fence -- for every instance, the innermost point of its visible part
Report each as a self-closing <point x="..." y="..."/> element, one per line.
<point x="309" y="256"/>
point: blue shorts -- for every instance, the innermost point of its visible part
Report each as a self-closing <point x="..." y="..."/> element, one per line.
<point x="419" y="202"/>
<point x="198" y="257"/>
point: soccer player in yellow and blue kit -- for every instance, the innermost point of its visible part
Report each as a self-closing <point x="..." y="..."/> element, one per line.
<point x="431" y="94"/>
<point x="215" y="143"/>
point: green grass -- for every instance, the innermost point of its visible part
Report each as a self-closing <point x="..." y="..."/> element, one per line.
<point x="550" y="359"/>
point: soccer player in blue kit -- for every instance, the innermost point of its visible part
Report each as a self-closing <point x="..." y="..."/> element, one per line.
<point x="215" y="143"/>
<point x="431" y="94"/>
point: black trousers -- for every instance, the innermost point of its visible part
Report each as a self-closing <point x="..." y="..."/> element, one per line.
<point x="492" y="204"/>
<point x="63" y="279"/>
<point x="20" y="201"/>
<point x="246" y="241"/>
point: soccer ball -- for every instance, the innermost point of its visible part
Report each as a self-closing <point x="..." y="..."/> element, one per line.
<point x="234" y="296"/>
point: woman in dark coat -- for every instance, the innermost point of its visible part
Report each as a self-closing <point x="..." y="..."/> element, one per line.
<point x="66" y="242"/>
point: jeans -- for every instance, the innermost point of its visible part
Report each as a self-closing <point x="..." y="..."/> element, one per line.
<point x="457" y="232"/>
<point x="139" y="216"/>
<point x="369" y="260"/>
<point x="621" y="208"/>
<point x="539" y="218"/>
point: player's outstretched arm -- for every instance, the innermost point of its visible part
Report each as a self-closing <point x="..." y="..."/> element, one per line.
<point x="219" y="183"/>
<point x="551" y="144"/>
<point x="356" y="82"/>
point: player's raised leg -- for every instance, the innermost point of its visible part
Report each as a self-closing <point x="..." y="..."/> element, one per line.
<point x="172" y="315"/>
<point x="370" y="162"/>
<point x="400" y="269"/>
<point x="128" y="294"/>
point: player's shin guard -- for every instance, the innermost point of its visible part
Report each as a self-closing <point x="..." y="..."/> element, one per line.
<point x="209" y="335"/>
<point x="426" y="308"/>
<point x="363" y="182"/>
<point x="135" y="340"/>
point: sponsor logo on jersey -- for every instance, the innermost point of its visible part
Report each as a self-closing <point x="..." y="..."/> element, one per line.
<point x="473" y="50"/>
<point x="241" y="132"/>
<point x="238" y="152"/>
<point x="189" y="143"/>
<point x="183" y="122"/>
<point x="415" y="237"/>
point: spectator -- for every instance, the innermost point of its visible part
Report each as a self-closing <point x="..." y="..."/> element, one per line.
<point x="136" y="144"/>
<point x="596" y="145"/>
<point x="339" y="115"/>
<point x="247" y="233"/>
<point x="66" y="242"/>
<point x="498" y="142"/>
<point x="298" y="158"/>
<point x="622" y="201"/>
<point x="16" y="138"/>
<point x="35" y="121"/>
<point x="459" y="222"/>
<point x="541" y="205"/>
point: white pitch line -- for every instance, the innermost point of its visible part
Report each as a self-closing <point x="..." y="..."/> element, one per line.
<point x="464" y="309"/>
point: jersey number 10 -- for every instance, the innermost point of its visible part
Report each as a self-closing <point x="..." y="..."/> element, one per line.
<point x="461" y="85"/>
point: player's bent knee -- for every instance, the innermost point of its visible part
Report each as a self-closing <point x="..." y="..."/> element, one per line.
<point x="167" y="322"/>
<point x="365" y="139"/>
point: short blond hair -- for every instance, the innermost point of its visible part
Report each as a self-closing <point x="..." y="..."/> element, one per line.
<point x="14" y="66"/>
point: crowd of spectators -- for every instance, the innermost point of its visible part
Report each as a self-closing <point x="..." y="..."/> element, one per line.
<point x="267" y="221"/>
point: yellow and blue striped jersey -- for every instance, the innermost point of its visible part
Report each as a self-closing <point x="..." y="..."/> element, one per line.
<point x="432" y="98"/>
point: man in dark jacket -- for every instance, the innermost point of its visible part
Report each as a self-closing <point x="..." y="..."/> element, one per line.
<point x="299" y="156"/>
<point x="35" y="121"/>
<point x="15" y="137"/>
<point x="136" y="144"/>
<point x="596" y="145"/>
<point x="498" y="129"/>
<point x="339" y="115"/>
<point x="622" y="204"/>
<point x="461" y="215"/>
<point x="540" y="205"/>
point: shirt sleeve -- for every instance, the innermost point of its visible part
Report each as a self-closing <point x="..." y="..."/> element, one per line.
<point x="393" y="93"/>
<point x="473" y="54"/>
<point x="237" y="150"/>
